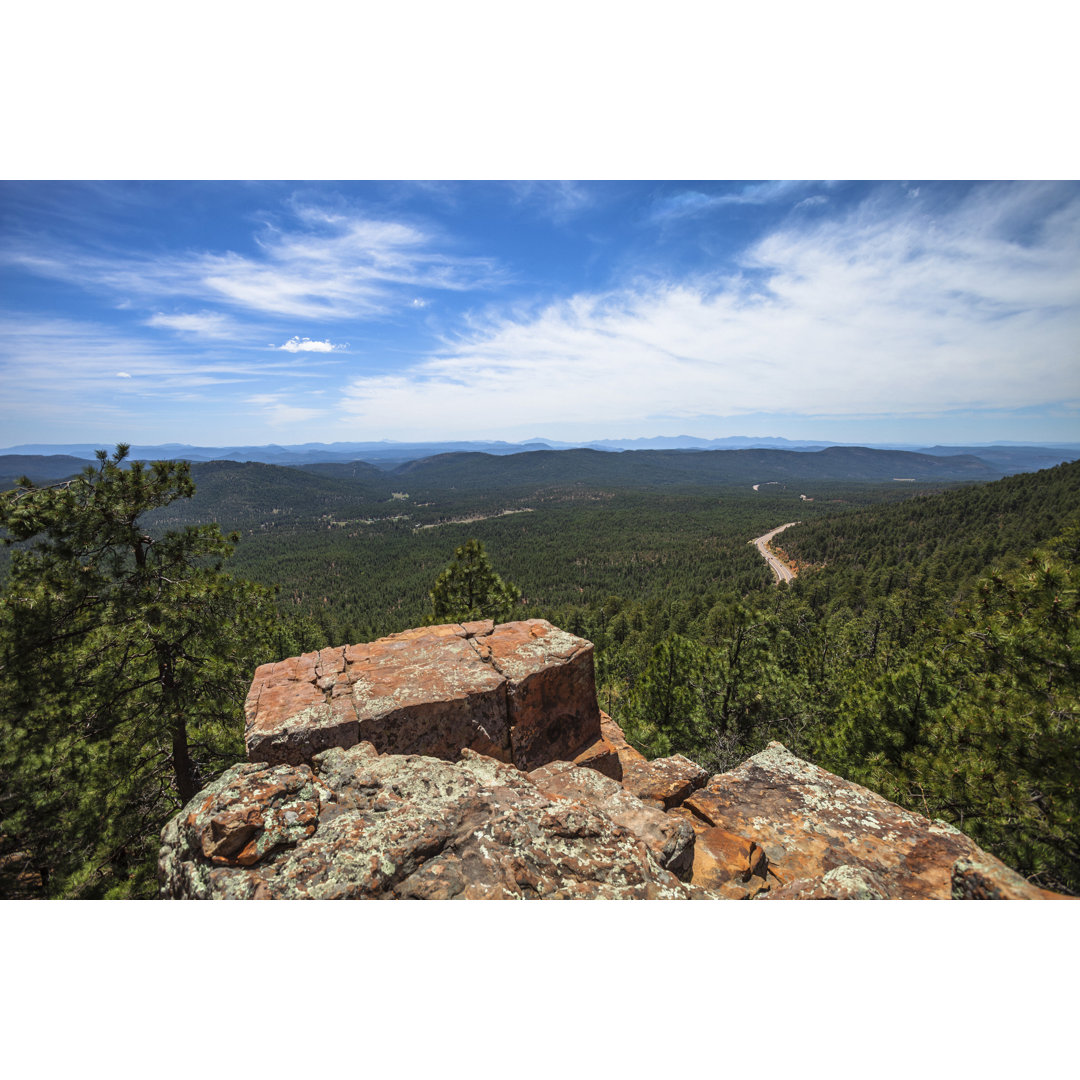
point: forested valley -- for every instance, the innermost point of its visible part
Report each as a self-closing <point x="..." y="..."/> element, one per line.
<point x="926" y="649"/>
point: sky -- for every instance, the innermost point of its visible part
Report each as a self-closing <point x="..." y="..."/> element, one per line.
<point x="234" y="313"/>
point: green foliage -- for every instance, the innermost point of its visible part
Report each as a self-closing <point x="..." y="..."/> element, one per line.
<point x="124" y="659"/>
<point x="893" y="659"/>
<point x="469" y="589"/>
<point x="661" y="712"/>
<point x="981" y="724"/>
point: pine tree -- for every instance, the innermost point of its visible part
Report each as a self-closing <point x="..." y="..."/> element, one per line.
<point x="977" y="720"/>
<point x="124" y="659"/>
<point x="469" y="589"/>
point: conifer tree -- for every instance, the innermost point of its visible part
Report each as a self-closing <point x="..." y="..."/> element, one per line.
<point x="124" y="658"/>
<point x="470" y="589"/>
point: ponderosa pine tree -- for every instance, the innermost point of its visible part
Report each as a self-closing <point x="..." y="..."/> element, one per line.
<point x="124" y="659"/>
<point x="470" y="589"/>
<point x="979" y="722"/>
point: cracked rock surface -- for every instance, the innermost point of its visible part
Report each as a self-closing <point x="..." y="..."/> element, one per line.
<point x="812" y="825"/>
<point x="521" y="692"/>
<point x="471" y="761"/>
<point x="359" y="825"/>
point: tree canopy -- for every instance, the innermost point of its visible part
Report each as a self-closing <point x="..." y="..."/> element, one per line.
<point x="470" y="589"/>
<point x="124" y="659"/>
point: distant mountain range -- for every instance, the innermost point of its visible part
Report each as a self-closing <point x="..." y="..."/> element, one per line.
<point x="1009" y="457"/>
<point x="534" y="469"/>
<point x="684" y="459"/>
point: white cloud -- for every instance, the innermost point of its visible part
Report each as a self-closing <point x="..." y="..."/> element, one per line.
<point x="298" y="344"/>
<point x="58" y="357"/>
<point x="891" y="309"/>
<point x="209" y="324"/>
<point x="336" y="265"/>
<point x="557" y="199"/>
<point x="278" y="413"/>
<point x="686" y="204"/>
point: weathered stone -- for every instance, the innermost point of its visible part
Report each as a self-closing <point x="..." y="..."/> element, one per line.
<point x="518" y="691"/>
<point x="426" y="692"/>
<point x="289" y="713"/>
<point x="602" y="757"/>
<point x="729" y="866"/>
<point x="331" y="816"/>
<point x="670" y="839"/>
<point x="550" y="690"/>
<point x="251" y="811"/>
<point x="982" y="877"/>
<point x="665" y="782"/>
<point x="841" y="883"/>
<point x="614" y="735"/>
<point x="810" y="822"/>
<point x="393" y="826"/>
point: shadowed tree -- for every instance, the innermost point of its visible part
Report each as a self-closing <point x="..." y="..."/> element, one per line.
<point x="124" y="659"/>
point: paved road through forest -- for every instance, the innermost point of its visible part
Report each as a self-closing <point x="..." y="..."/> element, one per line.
<point x="782" y="571"/>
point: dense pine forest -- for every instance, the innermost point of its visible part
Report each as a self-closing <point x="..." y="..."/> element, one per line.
<point x="925" y="649"/>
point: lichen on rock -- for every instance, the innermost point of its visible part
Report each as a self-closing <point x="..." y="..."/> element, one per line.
<point x="471" y="761"/>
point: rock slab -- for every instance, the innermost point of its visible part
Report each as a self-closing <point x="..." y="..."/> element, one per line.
<point x="521" y="692"/>
<point x="825" y="837"/>
<point x="471" y="761"/>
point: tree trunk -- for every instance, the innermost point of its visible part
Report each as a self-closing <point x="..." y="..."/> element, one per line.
<point x="182" y="768"/>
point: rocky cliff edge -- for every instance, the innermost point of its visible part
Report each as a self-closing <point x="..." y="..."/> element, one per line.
<point x="471" y="761"/>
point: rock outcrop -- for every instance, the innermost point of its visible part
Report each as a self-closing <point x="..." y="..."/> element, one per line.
<point x="826" y="837"/>
<point x="359" y="825"/>
<point x="471" y="761"/>
<point x="521" y="692"/>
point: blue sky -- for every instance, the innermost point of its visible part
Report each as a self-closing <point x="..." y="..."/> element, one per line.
<point x="233" y="313"/>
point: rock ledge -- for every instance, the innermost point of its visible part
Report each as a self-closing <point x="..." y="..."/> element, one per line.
<point x="471" y="761"/>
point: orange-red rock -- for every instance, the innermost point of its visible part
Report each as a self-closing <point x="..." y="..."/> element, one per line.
<point x="333" y="815"/>
<point x="982" y="877"/>
<point x="290" y="713"/>
<point x="669" y="838"/>
<point x="425" y="693"/>
<point x="359" y="825"/>
<point x="731" y="866"/>
<point x="550" y="689"/>
<point x="614" y="735"/>
<point x="664" y="782"/>
<point x="601" y="756"/>
<point x="811" y="823"/>
<point x="522" y="692"/>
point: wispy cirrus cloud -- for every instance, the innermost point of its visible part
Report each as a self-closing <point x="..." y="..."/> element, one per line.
<point x="893" y="308"/>
<point x="203" y="324"/>
<point x="334" y="264"/>
<point x="118" y="386"/>
<point x="688" y="204"/>
<point x="555" y="199"/>
<point x="278" y="410"/>
<point x="41" y="355"/>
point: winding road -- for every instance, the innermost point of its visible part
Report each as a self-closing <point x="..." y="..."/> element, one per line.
<point x="782" y="571"/>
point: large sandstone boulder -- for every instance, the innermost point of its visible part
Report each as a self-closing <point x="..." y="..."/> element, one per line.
<point x="521" y="692"/>
<point x="471" y="760"/>
<point x="355" y="824"/>
<point x="825" y="837"/>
